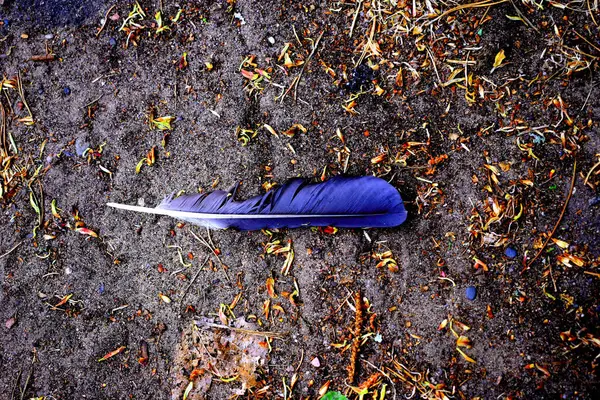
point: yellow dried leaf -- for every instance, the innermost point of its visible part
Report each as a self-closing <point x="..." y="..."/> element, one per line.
<point x="499" y="58"/>
<point x="560" y="243"/>
<point x="164" y="298"/>
<point x="271" y="130"/>
<point x="163" y="123"/>
<point x="466" y="357"/>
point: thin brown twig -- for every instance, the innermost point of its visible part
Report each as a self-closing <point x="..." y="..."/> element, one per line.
<point x="587" y="177"/>
<point x="193" y="280"/>
<point x="296" y="80"/>
<point x="591" y="13"/>
<point x="10" y="251"/>
<point x="105" y="20"/>
<point x="478" y="4"/>
<point x="562" y="213"/>
<point x="275" y="335"/>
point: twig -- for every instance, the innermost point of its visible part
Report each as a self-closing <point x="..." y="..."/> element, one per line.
<point x="591" y="13"/>
<point x="275" y="335"/>
<point x="478" y="4"/>
<point x="193" y="280"/>
<point x="10" y="251"/>
<point x="384" y="374"/>
<point x="17" y="384"/>
<point x="212" y="250"/>
<point x="105" y="20"/>
<point x="296" y="80"/>
<point x="587" y="177"/>
<point x="562" y="213"/>
<point x="24" y="389"/>
<point x="358" y="7"/>
<point x="93" y="101"/>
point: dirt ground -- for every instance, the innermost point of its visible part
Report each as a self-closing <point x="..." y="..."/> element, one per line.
<point x="482" y="116"/>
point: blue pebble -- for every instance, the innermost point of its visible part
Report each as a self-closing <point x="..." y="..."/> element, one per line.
<point x="6" y="21"/>
<point x="101" y="289"/>
<point x="471" y="292"/>
<point x="510" y="252"/>
<point x="112" y="42"/>
<point x="67" y="90"/>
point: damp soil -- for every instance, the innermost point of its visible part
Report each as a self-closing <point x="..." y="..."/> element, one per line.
<point x="98" y="93"/>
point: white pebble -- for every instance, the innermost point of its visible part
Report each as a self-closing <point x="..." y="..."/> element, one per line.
<point x="315" y="362"/>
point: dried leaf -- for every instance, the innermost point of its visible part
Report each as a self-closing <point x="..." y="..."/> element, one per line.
<point x="271" y="288"/>
<point x="112" y="353"/>
<point x="499" y="58"/>
<point x="466" y="357"/>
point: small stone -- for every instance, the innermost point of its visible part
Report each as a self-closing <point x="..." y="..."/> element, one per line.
<point x="112" y="42"/>
<point x="49" y="36"/>
<point x="81" y="145"/>
<point x="24" y="36"/>
<point x="510" y="252"/>
<point x="315" y="362"/>
<point x="10" y="322"/>
<point x="67" y="91"/>
<point x="594" y="201"/>
<point x="141" y="202"/>
<point x="68" y="271"/>
<point x="271" y="39"/>
<point x="471" y="292"/>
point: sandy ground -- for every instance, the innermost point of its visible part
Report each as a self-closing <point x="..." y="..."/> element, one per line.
<point x="533" y="331"/>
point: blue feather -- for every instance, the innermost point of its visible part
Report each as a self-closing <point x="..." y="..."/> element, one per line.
<point x="345" y="202"/>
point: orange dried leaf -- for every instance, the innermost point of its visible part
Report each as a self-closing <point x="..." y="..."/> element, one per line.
<point x="271" y="287"/>
<point x="464" y="341"/>
<point x="64" y="300"/>
<point x="112" y="353"/>
<point x="249" y="75"/>
<point x="86" y="231"/>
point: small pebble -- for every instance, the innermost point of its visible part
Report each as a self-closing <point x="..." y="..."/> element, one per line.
<point x="315" y="362"/>
<point x="471" y="292"/>
<point x="112" y="42"/>
<point x="510" y="252"/>
<point x="49" y="36"/>
<point x="10" y="322"/>
<point x="81" y="145"/>
<point x="101" y="288"/>
<point x="271" y="39"/>
<point x="68" y="271"/>
<point x="594" y="201"/>
<point x="67" y="90"/>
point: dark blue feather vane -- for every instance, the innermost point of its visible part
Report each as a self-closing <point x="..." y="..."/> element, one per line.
<point x="345" y="202"/>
